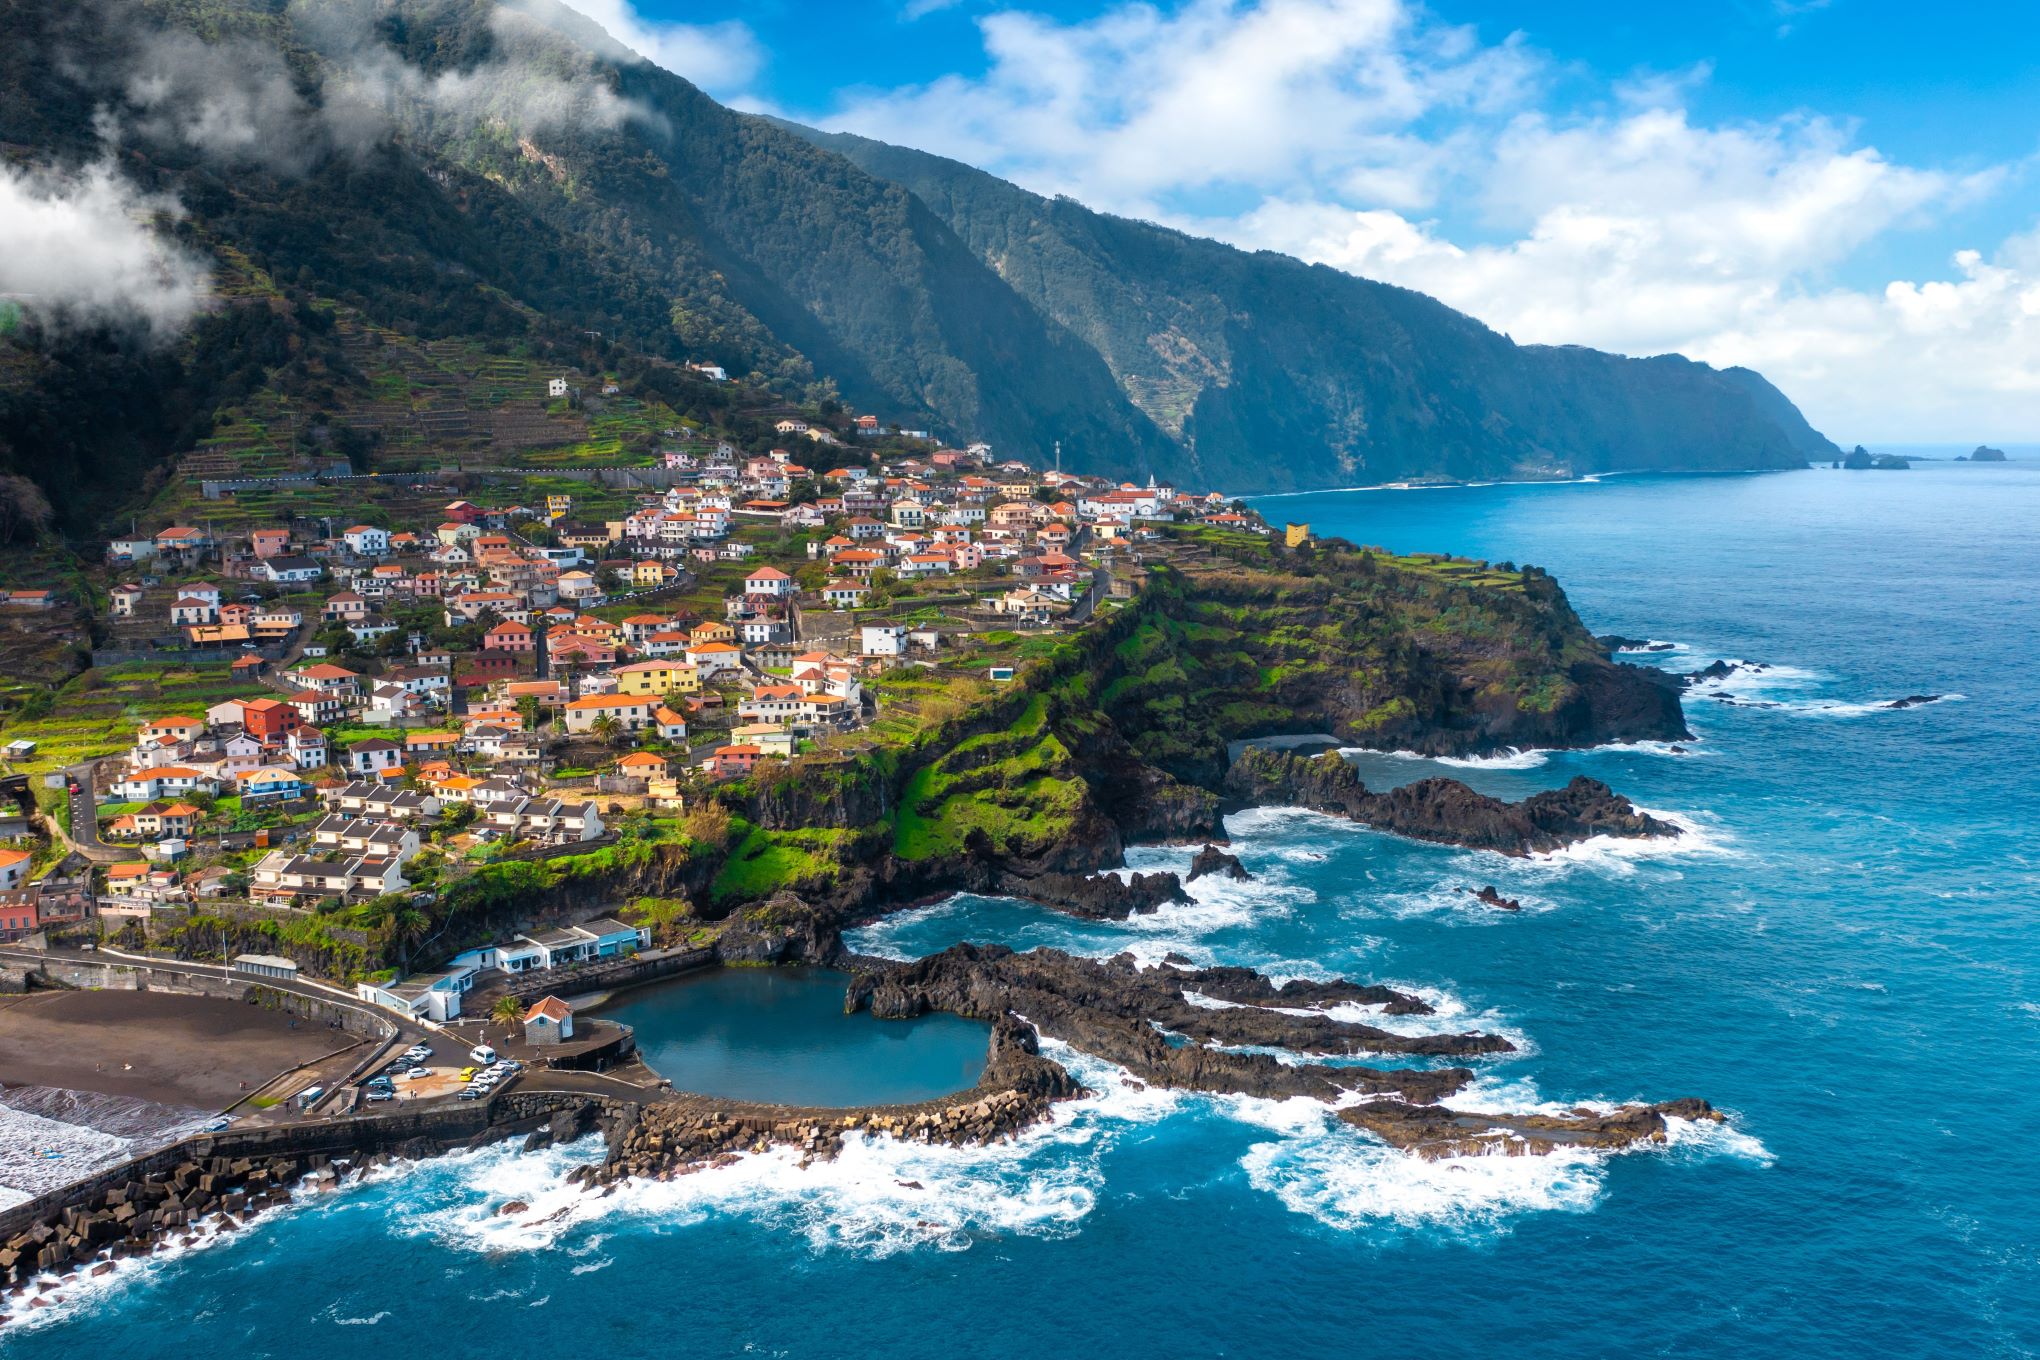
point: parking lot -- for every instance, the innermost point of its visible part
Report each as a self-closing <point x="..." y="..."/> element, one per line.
<point x="448" y="1072"/>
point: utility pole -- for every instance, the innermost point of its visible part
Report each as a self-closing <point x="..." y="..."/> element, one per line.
<point x="1058" y="457"/>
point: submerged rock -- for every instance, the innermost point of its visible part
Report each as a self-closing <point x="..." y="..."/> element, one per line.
<point x="1721" y="670"/>
<point x="1212" y="860"/>
<point x="1914" y="701"/>
<point x="1434" y="1131"/>
<point x="1097" y="897"/>
<point x="1493" y="897"/>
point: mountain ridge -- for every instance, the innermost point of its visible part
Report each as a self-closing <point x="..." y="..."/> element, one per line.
<point x="1073" y="263"/>
<point x="514" y="179"/>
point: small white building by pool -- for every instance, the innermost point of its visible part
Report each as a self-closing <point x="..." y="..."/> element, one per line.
<point x="551" y="1021"/>
<point x="427" y="996"/>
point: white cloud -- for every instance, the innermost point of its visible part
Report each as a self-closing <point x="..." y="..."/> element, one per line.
<point x="722" y="57"/>
<point x="80" y="248"/>
<point x="1220" y="95"/>
<point x="233" y="100"/>
<point x="1645" y="234"/>
<point x="1359" y="133"/>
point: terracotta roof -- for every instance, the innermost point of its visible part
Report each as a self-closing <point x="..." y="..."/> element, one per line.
<point x="552" y="1008"/>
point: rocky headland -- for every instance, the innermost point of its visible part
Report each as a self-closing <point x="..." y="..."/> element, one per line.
<point x="1442" y="810"/>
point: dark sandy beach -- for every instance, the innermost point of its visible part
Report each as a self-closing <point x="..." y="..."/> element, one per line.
<point x="175" y="1050"/>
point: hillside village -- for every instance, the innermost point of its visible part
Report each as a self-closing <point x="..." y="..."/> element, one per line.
<point x="379" y="708"/>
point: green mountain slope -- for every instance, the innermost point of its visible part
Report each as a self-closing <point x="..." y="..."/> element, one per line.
<point x="1273" y="373"/>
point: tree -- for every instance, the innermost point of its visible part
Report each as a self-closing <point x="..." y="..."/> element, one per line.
<point x="507" y="1011"/>
<point x="527" y="710"/>
<point x="407" y="926"/>
<point x="708" y="825"/>
<point x="24" y="510"/>
<point x="607" y="728"/>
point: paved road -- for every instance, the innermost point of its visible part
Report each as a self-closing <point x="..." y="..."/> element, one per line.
<point x="84" y="834"/>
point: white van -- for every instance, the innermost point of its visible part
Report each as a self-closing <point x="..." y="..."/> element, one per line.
<point x="481" y="1055"/>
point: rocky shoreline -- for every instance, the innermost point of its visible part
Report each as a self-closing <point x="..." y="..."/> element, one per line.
<point x="1211" y="1030"/>
<point x="1444" y="811"/>
<point x="1434" y="1132"/>
<point x="1174" y="1025"/>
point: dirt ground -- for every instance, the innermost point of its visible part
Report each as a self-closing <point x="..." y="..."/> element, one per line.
<point x="177" y="1050"/>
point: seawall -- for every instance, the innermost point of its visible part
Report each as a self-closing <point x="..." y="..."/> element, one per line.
<point x="132" y="1208"/>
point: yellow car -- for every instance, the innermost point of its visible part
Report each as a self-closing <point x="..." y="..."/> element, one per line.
<point x="467" y="1074"/>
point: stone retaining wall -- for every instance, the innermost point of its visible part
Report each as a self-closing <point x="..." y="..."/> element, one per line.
<point x="610" y="977"/>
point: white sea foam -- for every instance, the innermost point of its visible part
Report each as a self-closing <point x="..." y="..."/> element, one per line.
<point x="82" y="1290"/>
<point x="1514" y="758"/>
<point x="1835" y="708"/>
<point x="1449" y="1015"/>
<point x="1277" y="823"/>
<point x="45" y="1153"/>
<point x="1784" y="689"/>
<point x="1348" y="1180"/>
<point x="1700" y="836"/>
<point x="371" y="1320"/>
<point x="878" y="1196"/>
<point x="1457" y="900"/>
<point x="1345" y="1180"/>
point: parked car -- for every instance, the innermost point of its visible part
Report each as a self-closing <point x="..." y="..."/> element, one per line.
<point x="378" y="1094"/>
<point x="472" y="1093"/>
<point x="481" y="1053"/>
<point x="416" y="1074"/>
<point x="467" y="1074"/>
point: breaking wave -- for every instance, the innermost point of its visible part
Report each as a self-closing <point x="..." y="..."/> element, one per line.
<point x="53" y="1135"/>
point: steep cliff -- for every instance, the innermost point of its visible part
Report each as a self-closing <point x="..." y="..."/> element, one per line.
<point x="1242" y="355"/>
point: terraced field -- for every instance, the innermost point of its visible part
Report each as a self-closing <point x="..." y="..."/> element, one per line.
<point x="97" y="712"/>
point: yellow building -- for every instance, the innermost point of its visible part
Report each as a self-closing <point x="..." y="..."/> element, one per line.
<point x="655" y="678"/>
<point x="559" y="507"/>
<point x="1296" y="535"/>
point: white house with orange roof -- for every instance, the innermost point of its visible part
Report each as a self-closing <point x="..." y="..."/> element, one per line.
<point x="632" y="712"/>
<point x="714" y="658"/>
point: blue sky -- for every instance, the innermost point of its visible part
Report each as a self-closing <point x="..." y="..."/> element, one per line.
<point x="1837" y="192"/>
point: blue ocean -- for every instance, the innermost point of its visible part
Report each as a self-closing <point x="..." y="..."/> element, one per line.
<point x="1842" y="953"/>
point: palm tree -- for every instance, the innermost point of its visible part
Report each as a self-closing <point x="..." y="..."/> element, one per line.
<point x="507" y="1011"/>
<point x="607" y="728"/>
<point x="408" y="926"/>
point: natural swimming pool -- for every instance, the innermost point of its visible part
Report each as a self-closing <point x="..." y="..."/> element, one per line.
<point x="780" y="1035"/>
